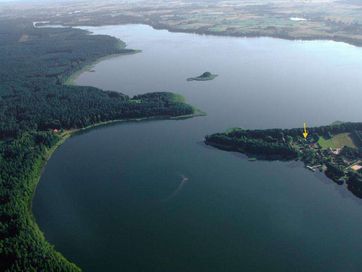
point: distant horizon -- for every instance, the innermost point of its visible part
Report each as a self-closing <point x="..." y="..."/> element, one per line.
<point x="29" y="1"/>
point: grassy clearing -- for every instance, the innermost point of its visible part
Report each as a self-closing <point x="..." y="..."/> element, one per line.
<point x="136" y="101"/>
<point x="178" y="98"/>
<point x="230" y="130"/>
<point x="337" y="141"/>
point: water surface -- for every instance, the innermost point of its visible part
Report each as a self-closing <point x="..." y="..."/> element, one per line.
<point x="116" y="198"/>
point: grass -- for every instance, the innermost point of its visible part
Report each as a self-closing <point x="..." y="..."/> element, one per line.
<point x="178" y="98"/>
<point x="337" y="141"/>
<point x="231" y="130"/>
<point x="136" y="101"/>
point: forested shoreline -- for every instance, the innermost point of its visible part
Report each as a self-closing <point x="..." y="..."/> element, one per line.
<point x="37" y="111"/>
<point x="337" y="162"/>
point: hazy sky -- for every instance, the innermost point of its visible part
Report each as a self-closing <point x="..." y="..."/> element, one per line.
<point x="29" y="1"/>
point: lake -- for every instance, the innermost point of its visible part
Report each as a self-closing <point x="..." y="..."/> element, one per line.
<point x="150" y="196"/>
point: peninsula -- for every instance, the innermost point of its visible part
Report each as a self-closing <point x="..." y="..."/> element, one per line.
<point x="204" y="77"/>
<point x="334" y="149"/>
<point x="39" y="112"/>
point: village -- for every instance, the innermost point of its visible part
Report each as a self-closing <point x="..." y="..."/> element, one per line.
<point x="334" y="150"/>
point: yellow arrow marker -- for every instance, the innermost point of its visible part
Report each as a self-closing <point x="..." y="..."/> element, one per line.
<point x="305" y="133"/>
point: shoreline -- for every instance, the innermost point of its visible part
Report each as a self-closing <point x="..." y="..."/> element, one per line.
<point x="157" y="26"/>
<point x="74" y="132"/>
<point x="40" y="164"/>
<point x="349" y="41"/>
<point x="293" y="145"/>
<point x="64" y="136"/>
<point x="38" y="169"/>
<point x="74" y="76"/>
<point x="28" y="245"/>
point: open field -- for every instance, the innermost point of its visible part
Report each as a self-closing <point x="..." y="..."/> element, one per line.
<point x="313" y="19"/>
<point x="337" y="141"/>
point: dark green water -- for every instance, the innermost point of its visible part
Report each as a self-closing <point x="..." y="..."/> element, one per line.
<point x="114" y="199"/>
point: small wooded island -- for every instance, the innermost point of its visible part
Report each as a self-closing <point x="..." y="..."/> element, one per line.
<point x="335" y="150"/>
<point x="205" y="76"/>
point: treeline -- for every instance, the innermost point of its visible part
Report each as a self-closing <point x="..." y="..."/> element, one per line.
<point x="354" y="183"/>
<point x="277" y="142"/>
<point x="269" y="143"/>
<point x="69" y="107"/>
<point x="34" y="103"/>
<point x="36" y="58"/>
<point x="288" y="144"/>
<point x="33" y="69"/>
<point x="325" y="131"/>
<point x="22" y="246"/>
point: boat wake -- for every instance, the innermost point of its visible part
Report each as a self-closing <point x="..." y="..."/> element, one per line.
<point x="184" y="180"/>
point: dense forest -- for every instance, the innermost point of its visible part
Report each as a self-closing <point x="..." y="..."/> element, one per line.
<point x="289" y="144"/>
<point x="36" y="111"/>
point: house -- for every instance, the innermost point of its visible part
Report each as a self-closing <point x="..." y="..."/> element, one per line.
<point x="356" y="167"/>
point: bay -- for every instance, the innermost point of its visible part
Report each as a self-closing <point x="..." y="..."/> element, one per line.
<point x="150" y="196"/>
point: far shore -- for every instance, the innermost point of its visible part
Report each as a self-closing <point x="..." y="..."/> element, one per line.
<point x="157" y="26"/>
<point x="88" y="67"/>
<point x="350" y="41"/>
